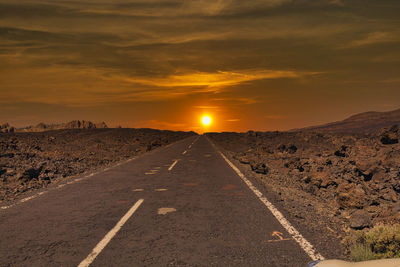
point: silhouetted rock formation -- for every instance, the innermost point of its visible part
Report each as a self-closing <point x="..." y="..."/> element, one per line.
<point x="6" y="128"/>
<point x="75" y="124"/>
<point x="80" y="125"/>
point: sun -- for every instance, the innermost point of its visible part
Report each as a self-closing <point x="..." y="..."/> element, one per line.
<point x="206" y="120"/>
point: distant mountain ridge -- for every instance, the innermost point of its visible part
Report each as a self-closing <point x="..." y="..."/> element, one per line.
<point x="367" y="122"/>
<point x="75" y="124"/>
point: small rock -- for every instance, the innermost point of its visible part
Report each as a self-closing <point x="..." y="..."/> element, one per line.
<point x="339" y="153"/>
<point x="397" y="207"/>
<point x="292" y="149"/>
<point x="244" y="160"/>
<point x="259" y="167"/>
<point x="281" y="148"/>
<point x="396" y="186"/>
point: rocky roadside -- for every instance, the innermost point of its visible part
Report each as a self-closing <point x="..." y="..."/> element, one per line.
<point x="333" y="183"/>
<point x="34" y="160"/>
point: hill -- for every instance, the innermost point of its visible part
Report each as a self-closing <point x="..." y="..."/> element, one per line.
<point x="367" y="122"/>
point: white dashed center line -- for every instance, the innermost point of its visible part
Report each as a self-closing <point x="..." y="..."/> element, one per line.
<point x="184" y="152"/>
<point x="163" y="211"/>
<point x="173" y="164"/>
<point x="103" y="243"/>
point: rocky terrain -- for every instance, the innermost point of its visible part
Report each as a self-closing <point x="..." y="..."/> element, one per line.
<point x="334" y="181"/>
<point x="33" y="160"/>
<point x="367" y="122"/>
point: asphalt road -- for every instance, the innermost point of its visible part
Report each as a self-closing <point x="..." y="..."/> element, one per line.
<point x="178" y="208"/>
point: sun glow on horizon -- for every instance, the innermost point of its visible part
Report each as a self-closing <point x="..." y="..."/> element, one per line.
<point x="206" y="120"/>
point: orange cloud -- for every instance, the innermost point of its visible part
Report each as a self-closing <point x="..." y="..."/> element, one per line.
<point x="217" y="79"/>
<point x="161" y="125"/>
<point x="206" y="107"/>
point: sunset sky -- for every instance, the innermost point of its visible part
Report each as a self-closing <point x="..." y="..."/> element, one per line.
<point x="260" y="64"/>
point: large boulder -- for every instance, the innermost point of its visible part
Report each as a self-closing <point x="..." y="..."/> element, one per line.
<point x="30" y="173"/>
<point x="351" y="196"/>
<point x="360" y="219"/>
<point x="390" y="136"/>
<point x="389" y="139"/>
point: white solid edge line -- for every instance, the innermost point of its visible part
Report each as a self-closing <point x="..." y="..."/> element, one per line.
<point x="172" y="165"/>
<point x="103" y="243"/>
<point x="304" y="244"/>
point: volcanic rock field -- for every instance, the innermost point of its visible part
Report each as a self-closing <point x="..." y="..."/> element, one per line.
<point x="331" y="182"/>
<point x="335" y="181"/>
<point x="32" y="160"/>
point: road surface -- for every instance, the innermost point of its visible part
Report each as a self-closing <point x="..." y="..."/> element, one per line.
<point x="181" y="205"/>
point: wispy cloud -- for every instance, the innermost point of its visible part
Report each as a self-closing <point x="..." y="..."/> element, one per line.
<point x="218" y="79"/>
<point x="336" y="2"/>
<point x="274" y="117"/>
<point x="206" y="107"/>
<point x="391" y="81"/>
<point x="236" y="100"/>
<point x="374" y="38"/>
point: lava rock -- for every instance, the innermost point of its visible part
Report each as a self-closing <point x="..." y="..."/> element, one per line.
<point x="31" y="173"/>
<point x="259" y="167"/>
<point x="360" y="219"/>
<point x="292" y="149"/>
<point x="389" y="139"/>
<point x="353" y="198"/>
